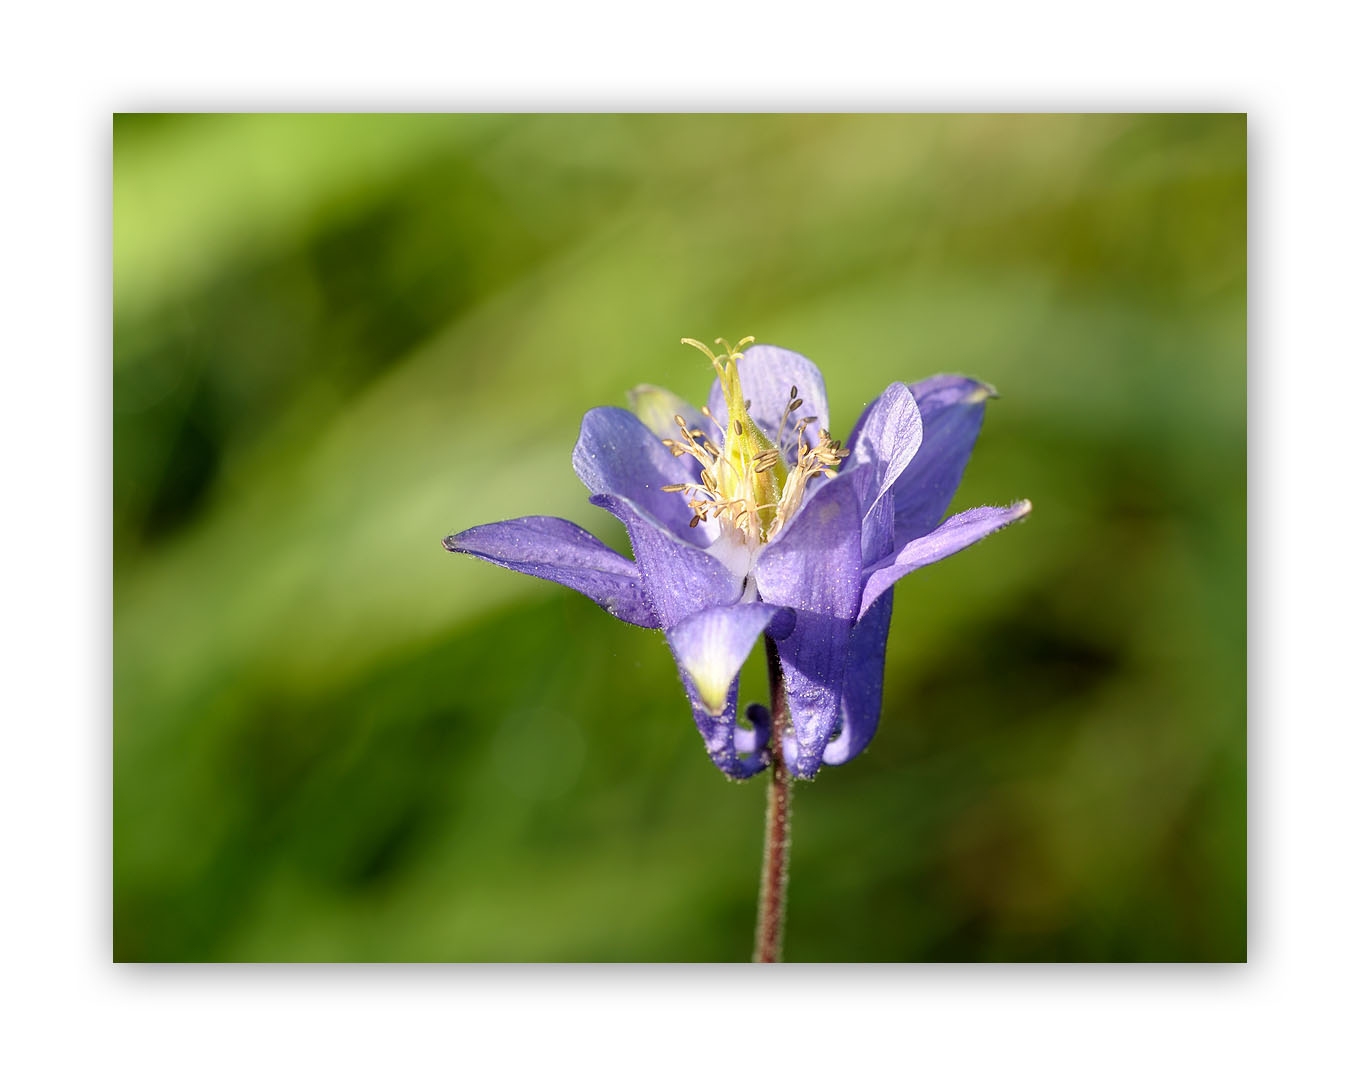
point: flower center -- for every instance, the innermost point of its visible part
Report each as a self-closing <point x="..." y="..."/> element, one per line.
<point x="754" y="481"/>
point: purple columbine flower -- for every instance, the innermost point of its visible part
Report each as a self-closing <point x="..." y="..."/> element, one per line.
<point x="746" y="519"/>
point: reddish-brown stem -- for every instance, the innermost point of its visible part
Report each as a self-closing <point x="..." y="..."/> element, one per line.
<point x="775" y="862"/>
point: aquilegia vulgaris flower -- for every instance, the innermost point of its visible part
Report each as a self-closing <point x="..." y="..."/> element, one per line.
<point x="748" y="520"/>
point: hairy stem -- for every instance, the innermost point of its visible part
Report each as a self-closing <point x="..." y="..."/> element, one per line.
<point x="775" y="861"/>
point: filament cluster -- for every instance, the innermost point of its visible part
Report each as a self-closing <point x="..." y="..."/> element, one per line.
<point x="750" y="484"/>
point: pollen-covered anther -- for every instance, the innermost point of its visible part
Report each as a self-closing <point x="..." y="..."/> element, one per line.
<point x="794" y="403"/>
<point x="692" y="444"/>
<point x="823" y="456"/>
<point x="767" y="460"/>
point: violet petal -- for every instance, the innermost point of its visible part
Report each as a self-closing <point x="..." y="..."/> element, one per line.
<point x="559" y="550"/>
<point x="758" y="736"/>
<point x="678" y="579"/>
<point x="876" y="531"/>
<point x="952" y="413"/>
<point x="738" y="753"/>
<point x="884" y="441"/>
<point x="813" y="566"/>
<point x="710" y="647"/>
<point x="863" y="695"/>
<point x="616" y="454"/>
<point x="960" y="530"/>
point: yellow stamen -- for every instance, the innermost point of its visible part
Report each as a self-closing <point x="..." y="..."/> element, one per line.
<point x="747" y="484"/>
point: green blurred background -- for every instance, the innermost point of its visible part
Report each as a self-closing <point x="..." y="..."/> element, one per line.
<point x="339" y="338"/>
